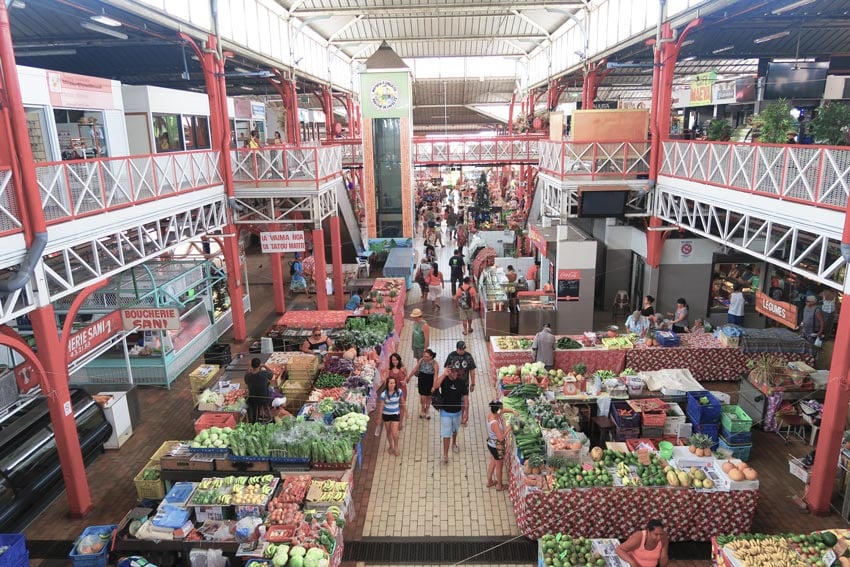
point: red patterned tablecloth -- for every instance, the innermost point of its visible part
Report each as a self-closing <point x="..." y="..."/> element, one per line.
<point x="687" y="514"/>
<point x="594" y="358"/>
<point x="706" y="358"/>
<point x="308" y="319"/>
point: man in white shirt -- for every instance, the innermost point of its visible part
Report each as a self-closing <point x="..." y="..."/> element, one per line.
<point x="736" y="306"/>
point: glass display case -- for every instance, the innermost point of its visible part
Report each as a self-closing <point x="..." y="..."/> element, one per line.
<point x="495" y="310"/>
<point x="535" y="308"/>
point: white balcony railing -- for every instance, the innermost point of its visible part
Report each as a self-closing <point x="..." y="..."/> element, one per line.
<point x="813" y="175"/>
<point x="286" y="165"/>
<point x="595" y="160"/>
<point x="500" y="149"/>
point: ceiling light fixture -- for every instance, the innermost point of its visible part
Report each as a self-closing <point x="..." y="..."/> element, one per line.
<point x="102" y="18"/>
<point x="19" y="4"/>
<point x="690" y="58"/>
<point x="246" y="88"/>
<point x="722" y="49"/>
<point x="772" y="36"/>
<point x="687" y="42"/>
<point x="792" y="6"/>
<point x="105" y="31"/>
<point x="242" y="70"/>
<point x="45" y="52"/>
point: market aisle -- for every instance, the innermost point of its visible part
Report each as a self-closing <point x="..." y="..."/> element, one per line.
<point x="414" y="495"/>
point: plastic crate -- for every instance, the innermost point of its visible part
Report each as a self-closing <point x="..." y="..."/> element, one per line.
<point x="153" y="489"/>
<point x="700" y="413"/>
<point x="675" y="416"/>
<point x="653" y="419"/>
<point x="213" y="419"/>
<point x="96" y="559"/>
<point x="735" y="419"/>
<point x="652" y="432"/>
<point x="744" y="438"/>
<point x="625" y="433"/>
<point x="738" y="451"/>
<point x="667" y="338"/>
<point x="710" y="429"/>
<point x="632" y="421"/>
<point x="16" y="555"/>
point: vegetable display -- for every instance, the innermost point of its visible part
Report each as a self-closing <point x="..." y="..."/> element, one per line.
<point x="352" y="422"/>
<point x="252" y="439"/>
<point x="329" y="380"/>
<point x="567" y="343"/>
<point x="212" y="438"/>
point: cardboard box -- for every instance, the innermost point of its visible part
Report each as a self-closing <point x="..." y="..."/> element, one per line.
<point x="183" y="460"/>
<point x="728" y="341"/>
<point x="163" y="449"/>
<point x="213" y="513"/>
<point x="675" y="417"/>
<point x="227" y="465"/>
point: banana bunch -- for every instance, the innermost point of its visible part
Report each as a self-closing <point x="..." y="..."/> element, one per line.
<point x="265" y="479"/>
<point x="209" y="483"/>
<point x="223" y="499"/>
<point x="768" y="551"/>
<point x="626" y="476"/>
<point x="334" y="486"/>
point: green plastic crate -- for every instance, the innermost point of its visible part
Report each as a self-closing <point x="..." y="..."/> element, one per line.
<point x="735" y="419"/>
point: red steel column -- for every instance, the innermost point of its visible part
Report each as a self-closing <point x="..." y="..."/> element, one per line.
<point x="51" y="355"/>
<point x="278" y="285"/>
<point x="336" y="255"/>
<point x="320" y="275"/>
<point x="834" y="411"/>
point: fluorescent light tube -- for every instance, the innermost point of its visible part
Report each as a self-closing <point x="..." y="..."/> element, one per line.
<point x="792" y="6"/>
<point x="45" y="52"/>
<point x="246" y="88"/>
<point x="771" y="37"/>
<point x="722" y="49"/>
<point x="105" y="31"/>
<point x="106" y="20"/>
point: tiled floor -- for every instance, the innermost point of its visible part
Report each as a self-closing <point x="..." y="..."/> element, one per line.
<point x="408" y="496"/>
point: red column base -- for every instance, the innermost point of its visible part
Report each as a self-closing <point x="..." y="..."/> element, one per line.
<point x="77" y="515"/>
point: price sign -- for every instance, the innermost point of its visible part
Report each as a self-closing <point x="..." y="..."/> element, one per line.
<point x="829" y="558"/>
<point x="643" y="456"/>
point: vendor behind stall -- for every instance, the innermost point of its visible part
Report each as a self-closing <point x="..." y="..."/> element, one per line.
<point x="646" y="548"/>
<point x="317" y="343"/>
<point x="258" y="379"/>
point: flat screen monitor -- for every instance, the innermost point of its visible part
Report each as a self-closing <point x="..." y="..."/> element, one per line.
<point x="795" y="80"/>
<point x="602" y="204"/>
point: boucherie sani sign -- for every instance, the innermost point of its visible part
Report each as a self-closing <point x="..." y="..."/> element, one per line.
<point x="151" y="319"/>
<point x="280" y="242"/>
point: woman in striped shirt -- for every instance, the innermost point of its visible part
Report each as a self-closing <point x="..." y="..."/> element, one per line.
<point x="391" y="407"/>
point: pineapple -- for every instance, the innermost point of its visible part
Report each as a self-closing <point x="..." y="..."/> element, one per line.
<point x="700" y="444"/>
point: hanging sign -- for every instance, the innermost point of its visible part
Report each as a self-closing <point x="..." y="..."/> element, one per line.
<point x="781" y="311"/>
<point x="281" y="242"/>
<point x="701" y="88"/>
<point x="26" y="377"/>
<point x="78" y="91"/>
<point x="92" y="336"/>
<point x="537" y="239"/>
<point x="151" y="318"/>
<point x="258" y="111"/>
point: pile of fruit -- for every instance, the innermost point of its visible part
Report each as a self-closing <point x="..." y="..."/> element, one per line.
<point x="700" y="444"/>
<point x="739" y="471"/>
<point x="234" y="397"/>
<point x="612" y="458"/>
<point x="284" y="513"/>
<point x="617" y="343"/>
<point x="513" y="343"/>
<point x="320" y="394"/>
<point x="252" y="490"/>
<point x="576" y="476"/>
<point x="695" y="477"/>
<point x="533" y="372"/>
<point x="294" y="489"/>
<point x="212" y="438"/>
<point x="509" y="375"/>
<point x="788" y="550"/>
<point x="327" y="491"/>
<point x="560" y="549"/>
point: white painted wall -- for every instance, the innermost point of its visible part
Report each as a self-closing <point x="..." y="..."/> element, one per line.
<point x="165" y="101"/>
<point x="33" y="86"/>
<point x="702" y="251"/>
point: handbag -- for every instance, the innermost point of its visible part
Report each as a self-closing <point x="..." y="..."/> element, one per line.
<point x="437" y="400"/>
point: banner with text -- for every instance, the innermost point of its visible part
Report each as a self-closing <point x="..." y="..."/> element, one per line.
<point x="537" y="239"/>
<point x="151" y="319"/>
<point x="92" y="336"/>
<point x="701" y="88"/>
<point x="282" y="242"/>
<point x="781" y="311"/>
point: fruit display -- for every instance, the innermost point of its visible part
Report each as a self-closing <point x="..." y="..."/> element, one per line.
<point x="577" y="476"/>
<point x="284" y="513"/>
<point x="791" y="550"/>
<point x="509" y="375"/>
<point x="212" y="438"/>
<point x="283" y="555"/>
<point x="352" y="422"/>
<point x="533" y="372"/>
<point x="294" y="489"/>
<point x="255" y="494"/>
<point x="700" y="444"/>
<point x="738" y="471"/>
<point x="327" y="491"/>
<point x="321" y="394"/>
<point x="617" y="343"/>
<point x="565" y="551"/>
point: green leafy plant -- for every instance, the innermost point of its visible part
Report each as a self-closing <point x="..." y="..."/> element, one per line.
<point x="718" y="130"/>
<point x="774" y="123"/>
<point x="831" y="125"/>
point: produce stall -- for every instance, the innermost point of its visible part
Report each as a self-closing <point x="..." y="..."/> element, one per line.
<point x="400" y="264"/>
<point x="558" y="484"/>
<point x="561" y="548"/>
<point x="705" y="356"/>
<point x="762" y="400"/>
<point x="389" y="295"/>
<point x="828" y="547"/>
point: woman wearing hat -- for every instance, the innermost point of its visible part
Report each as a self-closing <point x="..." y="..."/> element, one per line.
<point x="421" y="334"/>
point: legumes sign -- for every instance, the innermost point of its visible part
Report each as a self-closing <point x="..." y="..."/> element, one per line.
<point x="785" y="313"/>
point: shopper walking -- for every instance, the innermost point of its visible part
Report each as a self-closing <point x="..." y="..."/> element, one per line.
<point x="425" y="369"/>
<point x="496" y="432"/>
<point x="436" y="285"/>
<point x="736" y="306"/>
<point x="421" y="334"/>
<point x="463" y="362"/>
<point x="812" y="322"/>
<point x="398" y="372"/>
<point x="422" y="273"/>
<point x="451" y="223"/>
<point x="457" y="269"/>
<point x="543" y="347"/>
<point x="646" y="548"/>
<point x="391" y="408"/>
<point x="454" y="409"/>
<point x="466" y="303"/>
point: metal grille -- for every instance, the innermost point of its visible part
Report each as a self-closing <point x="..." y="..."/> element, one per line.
<point x="8" y="388"/>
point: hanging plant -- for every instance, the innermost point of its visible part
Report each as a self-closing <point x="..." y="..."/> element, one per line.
<point x="774" y="123"/>
<point x="831" y="125"/>
<point x="718" y="130"/>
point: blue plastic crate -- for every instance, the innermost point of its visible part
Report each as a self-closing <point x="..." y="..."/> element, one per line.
<point x="97" y="559"/>
<point x="710" y="429"/>
<point x="738" y="451"/>
<point x="630" y="422"/>
<point x="16" y="555"/>
<point x="700" y="413"/>
<point x="745" y="438"/>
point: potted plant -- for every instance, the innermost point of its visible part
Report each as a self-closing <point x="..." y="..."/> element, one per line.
<point x="774" y="123"/>
<point x="718" y="130"/>
<point x="766" y="369"/>
<point x="831" y="124"/>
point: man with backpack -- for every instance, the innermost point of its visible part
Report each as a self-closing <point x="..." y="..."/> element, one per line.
<point x="466" y="301"/>
<point x="457" y="270"/>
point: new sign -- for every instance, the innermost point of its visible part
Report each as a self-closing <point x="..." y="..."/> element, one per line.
<point x="281" y="242"/>
<point x="151" y="319"/>
<point x="701" y="88"/>
<point x="785" y="313"/>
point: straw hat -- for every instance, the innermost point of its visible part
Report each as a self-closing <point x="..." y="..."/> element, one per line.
<point x="416" y="313"/>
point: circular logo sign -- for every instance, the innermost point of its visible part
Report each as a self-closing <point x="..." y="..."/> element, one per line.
<point x="687" y="248"/>
<point x="384" y="95"/>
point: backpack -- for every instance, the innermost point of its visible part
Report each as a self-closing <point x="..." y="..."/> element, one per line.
<point x="465" y="299"/>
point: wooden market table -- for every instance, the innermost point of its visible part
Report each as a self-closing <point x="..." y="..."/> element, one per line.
<point x="707" y="359"/>
<point x="688" y="514"/>
<point x="309" y="319"/>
